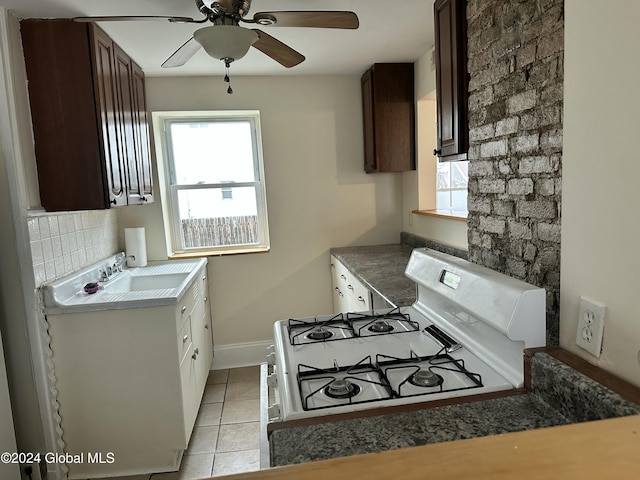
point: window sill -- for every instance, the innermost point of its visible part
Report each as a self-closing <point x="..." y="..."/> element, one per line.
<point x="217" y="253"/>
<point x="450" y="214"/>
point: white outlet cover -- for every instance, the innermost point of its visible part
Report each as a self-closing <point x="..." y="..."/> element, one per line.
<point x="590" y="326"/>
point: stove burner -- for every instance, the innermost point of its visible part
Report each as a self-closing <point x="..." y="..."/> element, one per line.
<point x="341" y="388"/>
<point x="425" y="378"/>
<point x="380" y="326"/>
<point x="319" y="333"/>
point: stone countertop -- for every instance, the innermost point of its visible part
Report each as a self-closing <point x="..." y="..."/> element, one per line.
<point x="381" y="268"/>
<point x="559" y="395"/>
<point x="402" y="430"/>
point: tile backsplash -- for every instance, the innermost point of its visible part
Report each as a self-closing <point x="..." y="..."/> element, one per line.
<point x="67" y="241"/>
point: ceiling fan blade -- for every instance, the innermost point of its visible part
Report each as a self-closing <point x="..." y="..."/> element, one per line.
<point x="182" y="55"/>
<point x="328" y="19"/>
<point x="280" y="52"/>
<point x="138" y="18"/>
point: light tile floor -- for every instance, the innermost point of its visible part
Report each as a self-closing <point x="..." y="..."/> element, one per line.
<point x="226" y="435"/>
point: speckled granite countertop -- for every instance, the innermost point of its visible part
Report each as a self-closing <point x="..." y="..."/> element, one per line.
<point x="559" y="395"/>
<point x="381" y="268"/>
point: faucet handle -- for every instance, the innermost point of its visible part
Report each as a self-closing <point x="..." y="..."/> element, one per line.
<point x="104" y="276"/>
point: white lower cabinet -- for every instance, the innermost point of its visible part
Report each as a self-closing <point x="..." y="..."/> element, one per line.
<point x="129" y="383"/>
<point x="349" y="293"/>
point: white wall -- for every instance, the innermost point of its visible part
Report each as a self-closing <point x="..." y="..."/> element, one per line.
<point x="318" y="196"/>
<point x="601" y="172"/>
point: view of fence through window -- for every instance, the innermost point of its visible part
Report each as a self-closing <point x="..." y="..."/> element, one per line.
<point x="214" y="179"/>
<point x="451" y="186"/>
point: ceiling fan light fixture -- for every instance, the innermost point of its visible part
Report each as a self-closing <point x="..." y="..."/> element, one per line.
<point x="264" y="19"/>
<point x="225" y="42"/>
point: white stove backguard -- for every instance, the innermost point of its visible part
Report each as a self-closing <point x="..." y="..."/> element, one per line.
<point x="493" y="315"/>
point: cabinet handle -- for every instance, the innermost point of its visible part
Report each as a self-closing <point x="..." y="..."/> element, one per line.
<point x="340" y="293"/>
<point x="195" y="354"/>
<point x="437" y="151"/>
<point x="205" y="299"/>
<point x="206" y="327"/>
<point x="204" y="278"/>
<point x="360" y="298"/>
<point x="143" y="199"/>
<point x="183" y="309"/>
<point x="185" y="338"/>
<point x="343" y="277"/>
<point x="113" y="202"/>
<point x="332" y="265"/>
<point x="350" y="287"/>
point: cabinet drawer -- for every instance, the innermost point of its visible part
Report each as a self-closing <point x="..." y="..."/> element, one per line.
<point x="184" y="306"/>
<point x="184" y="339"/>
<point x="359" y="296"/>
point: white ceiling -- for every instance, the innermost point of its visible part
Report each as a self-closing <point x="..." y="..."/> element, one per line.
<point x="390" y="31"/>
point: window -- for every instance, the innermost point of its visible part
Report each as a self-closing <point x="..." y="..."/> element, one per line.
<point x="451" y="186"/>
<point x="211" y="175"/>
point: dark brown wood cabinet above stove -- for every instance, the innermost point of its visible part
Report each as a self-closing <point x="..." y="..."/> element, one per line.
<point x="389" y="118"/>
<point x="452" y="142"/>
<point x="89" y="116"/>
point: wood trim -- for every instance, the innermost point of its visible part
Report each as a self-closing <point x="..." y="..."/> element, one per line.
<point x="450" y="214"/>
<point x="272" y="427"/>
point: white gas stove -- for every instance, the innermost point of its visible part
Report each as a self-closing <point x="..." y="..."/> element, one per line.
<point x="464" y="335"/>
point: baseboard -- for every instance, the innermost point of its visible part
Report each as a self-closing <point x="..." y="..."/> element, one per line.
<point x="239" y="355"/>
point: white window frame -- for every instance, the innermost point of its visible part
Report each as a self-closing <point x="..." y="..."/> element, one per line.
<point x="169" y="190"/>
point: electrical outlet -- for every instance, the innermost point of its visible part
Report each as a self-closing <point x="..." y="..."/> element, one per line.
<point x="590" y="326"/>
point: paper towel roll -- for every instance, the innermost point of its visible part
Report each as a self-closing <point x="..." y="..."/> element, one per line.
<point x="136" y="245"/>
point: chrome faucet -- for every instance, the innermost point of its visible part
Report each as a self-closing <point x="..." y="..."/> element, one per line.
<point x="120" y="259"/>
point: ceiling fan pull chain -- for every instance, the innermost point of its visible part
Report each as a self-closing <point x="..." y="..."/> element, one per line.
<point x="226" y="77"/>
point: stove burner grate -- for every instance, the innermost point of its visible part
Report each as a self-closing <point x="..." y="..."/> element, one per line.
<point x="419" y="372"/>
<point x="313" y="330"/>
<point x="391" y="322"/>
<point x="362" y="382"/>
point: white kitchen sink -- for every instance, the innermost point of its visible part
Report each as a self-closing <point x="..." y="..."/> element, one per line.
<point x="128" y="282"/>
<point x="158" y="283"/>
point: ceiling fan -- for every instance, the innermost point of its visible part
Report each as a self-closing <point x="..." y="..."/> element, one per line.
<point x="227" y="41"/>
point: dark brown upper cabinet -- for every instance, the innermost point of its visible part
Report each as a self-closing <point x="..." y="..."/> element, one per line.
<point x="452" y="79"/>
<point x="388" y="110"/>
<point x="88" y="109"/>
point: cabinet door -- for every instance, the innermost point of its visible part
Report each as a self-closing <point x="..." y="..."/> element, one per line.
<point x="367" y="116"/>
<point x="141" y="132"/>
<point x="389" y="117"/>
<point x="124" y="94"/>
<point x="190" y="401"/>
<point x="451" y="79"/>
<point x="109" y="116"/>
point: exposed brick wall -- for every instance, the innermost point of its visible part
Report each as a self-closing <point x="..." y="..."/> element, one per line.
<point x="515" y="64"/>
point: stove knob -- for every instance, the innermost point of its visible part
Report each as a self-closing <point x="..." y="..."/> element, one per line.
<point x="271" y="359"/>
<point x="272" y="380"/>
<point x="274" y="412"/>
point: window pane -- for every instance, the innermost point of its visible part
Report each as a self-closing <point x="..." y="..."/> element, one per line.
<point x="451" y="185"/>
<point x="212" y="152"/>
<point x="218" y="216"/>
<point x="443" y="178"/>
